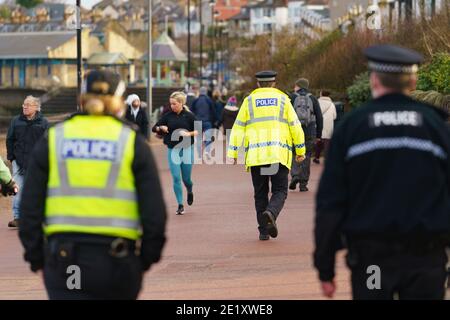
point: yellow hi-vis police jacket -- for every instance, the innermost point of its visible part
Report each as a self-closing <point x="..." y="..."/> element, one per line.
<point x="269" y="128"/>
<point x="91" y="186"/>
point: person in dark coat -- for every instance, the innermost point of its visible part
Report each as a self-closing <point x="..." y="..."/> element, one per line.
<point x="229" y="115"/>
<point x="385" y="191"/>
<point x="23" y="133"/>
<point x="205" y="111"/>
<point x="137" y="115"/>
<point x="219" y="104"/>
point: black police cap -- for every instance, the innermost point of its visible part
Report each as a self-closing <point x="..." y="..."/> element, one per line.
<point x="266" y="76"/>
<point x="393" y="59"/>
<point x="102" y="82"/>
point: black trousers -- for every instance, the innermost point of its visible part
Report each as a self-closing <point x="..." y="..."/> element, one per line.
<point x="278" y="177"/>
<point x="102" y="277"/>
<point x="403" y="274"/>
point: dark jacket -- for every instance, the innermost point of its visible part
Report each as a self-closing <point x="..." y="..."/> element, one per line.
<point x="219" y="105"/>
<point x="141" y="120"/>
<point x="23" y="134"/>
<point x="190" y="98"/>
<point x="204" y="109"/>
<point x="184" y="121"/>
<point x="314" y="129"/>
<point x="229" y="115"/>
<point x="151" y="204"/>
<point x="387" y="176"/>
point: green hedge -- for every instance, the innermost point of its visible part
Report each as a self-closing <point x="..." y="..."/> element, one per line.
<point x="435" y="76"/>
<point x="359" y="92"/>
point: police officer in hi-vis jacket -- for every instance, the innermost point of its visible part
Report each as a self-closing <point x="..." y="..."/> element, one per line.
<point x="269" y="128"/>
<point x="93" y="213"/>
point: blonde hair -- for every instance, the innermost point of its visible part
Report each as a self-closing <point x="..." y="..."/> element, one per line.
<point x="34" y="100"/>
<point x="179" y="96"/>
<point x="217" y="94"/>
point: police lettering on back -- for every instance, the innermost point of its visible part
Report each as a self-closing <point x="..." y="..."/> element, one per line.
<point x="269" y="102"/>
<point x="89" y="149"/>
<point x="396" y="118"/>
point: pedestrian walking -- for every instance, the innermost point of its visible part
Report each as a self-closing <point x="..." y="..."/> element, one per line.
<point x="205" y="111"/>
<point x="93" y="212"/>
<point x="308" y="111"/>
<point x="228" y="116"/>
<point x="270" y="130"/>
<point x="219" y="106"/>
<point x="177" y="127"/>
<point x="137" y="115"/>
<point x="385" y="191"/>
<point x="329" y="114"/>
<point x="23" y="133"/>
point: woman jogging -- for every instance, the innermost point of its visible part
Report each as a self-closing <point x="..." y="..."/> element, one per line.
<point x="177" y="128"/>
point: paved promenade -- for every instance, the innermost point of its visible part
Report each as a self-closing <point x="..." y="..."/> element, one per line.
<point x="213" y="251"/>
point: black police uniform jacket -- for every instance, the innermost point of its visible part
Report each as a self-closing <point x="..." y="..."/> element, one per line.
<point x="387" y="174"/>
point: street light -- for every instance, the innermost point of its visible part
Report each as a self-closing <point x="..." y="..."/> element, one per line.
<point x="226" y="75"/>
<point x="189" y="38"/>
<point x="211" y="3"/>
<point x="201" y="41"/>
<point x="78" y="17"/>
<point x="149" y="64"/>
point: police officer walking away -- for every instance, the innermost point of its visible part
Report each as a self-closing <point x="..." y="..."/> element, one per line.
<point x="270" y="130"/>
<point x="93" y="208"/>
<point x="386" y="189"/>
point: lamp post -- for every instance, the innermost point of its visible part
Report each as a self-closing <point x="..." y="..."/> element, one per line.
<point x="189" y="39"/>
<point x="201" y="41"/>
<point x="213" y="40"/>
<point x="149" y="64"/>
<point x="79" y="54"/>
<point x="226" y="59"/>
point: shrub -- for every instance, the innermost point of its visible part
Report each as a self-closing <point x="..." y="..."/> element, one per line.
<point x="434" y="98"/>
<point x="359" y="92"/>
<point x="435" y="75"/>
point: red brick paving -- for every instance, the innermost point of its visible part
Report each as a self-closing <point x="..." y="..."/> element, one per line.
<point x="213" y="251"/>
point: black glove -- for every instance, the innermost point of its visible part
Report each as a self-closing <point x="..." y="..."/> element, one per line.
<point x="9" y="189"/>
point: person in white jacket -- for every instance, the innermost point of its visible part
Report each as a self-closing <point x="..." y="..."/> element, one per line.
<point x="329" y="115"/>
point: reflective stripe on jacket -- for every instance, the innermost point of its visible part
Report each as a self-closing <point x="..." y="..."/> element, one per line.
<point x="91" y="185"/>
<point x="269" y="128"/>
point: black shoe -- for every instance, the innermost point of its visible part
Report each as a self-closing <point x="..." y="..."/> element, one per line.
<point x="293" y="184"/>
<point x="264" y="237"/>
<point x="270" y="224"/>
<point x="317" y="161"/>
<point x="304" y="189"/>
<point x="180" y="210"/>
<point x="14" y="224"/>
<point x="190" y="198"/>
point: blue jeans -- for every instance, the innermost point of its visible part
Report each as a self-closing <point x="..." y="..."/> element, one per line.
<point x="18" y="178"/>
<point x="180" y="165"/>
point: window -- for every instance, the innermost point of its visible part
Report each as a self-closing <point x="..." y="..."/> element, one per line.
<point x="268" y="12"/>
<point x="267" y="27"/>
<point x="258" y="13"/>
